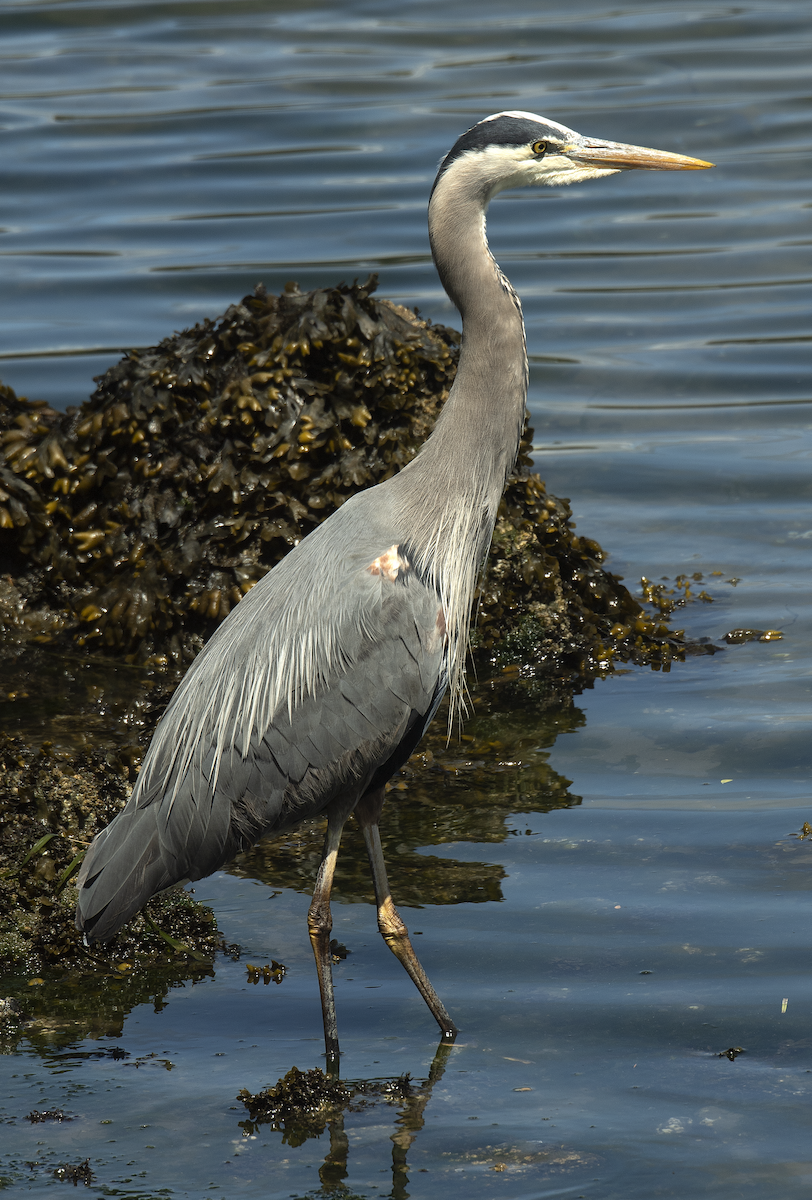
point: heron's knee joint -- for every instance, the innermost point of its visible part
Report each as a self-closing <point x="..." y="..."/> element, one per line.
<point x="390" y="923"/>
<point x="319" y="922"/>
<point x="398" y="943"/>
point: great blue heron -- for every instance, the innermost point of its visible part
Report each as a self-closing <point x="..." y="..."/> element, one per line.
<point x="322" y="681"/>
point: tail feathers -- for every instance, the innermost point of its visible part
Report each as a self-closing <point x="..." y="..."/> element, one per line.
<point x="142" y="852"/>
<point x="119" y="874"/>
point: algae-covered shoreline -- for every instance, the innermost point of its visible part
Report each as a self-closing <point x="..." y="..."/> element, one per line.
<point x="130" y="526"/>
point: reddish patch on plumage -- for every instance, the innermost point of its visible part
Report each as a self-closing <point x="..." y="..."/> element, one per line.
<point x="390" y="564"/>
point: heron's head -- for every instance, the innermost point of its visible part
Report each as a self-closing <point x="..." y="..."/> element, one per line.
<point x="517" y="149"/>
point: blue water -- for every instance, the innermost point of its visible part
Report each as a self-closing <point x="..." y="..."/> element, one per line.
<point x="160" y="159"/>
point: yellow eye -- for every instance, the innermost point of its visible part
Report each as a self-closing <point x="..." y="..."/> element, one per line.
<point x="539" y="148"/>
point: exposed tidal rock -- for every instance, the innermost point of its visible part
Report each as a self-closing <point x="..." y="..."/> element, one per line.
<point x="134" y="524"/>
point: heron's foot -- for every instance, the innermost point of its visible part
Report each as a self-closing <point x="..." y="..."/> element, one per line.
<point x="396" y="936"/>
<point x="332" y="1056"/>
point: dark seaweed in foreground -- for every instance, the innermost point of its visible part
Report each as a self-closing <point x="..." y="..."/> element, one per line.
<point x="135" y="523"/>
<point x="80" y="1173"/>
<point x="37" y="1115"/>
<point x="302" y="1103"/>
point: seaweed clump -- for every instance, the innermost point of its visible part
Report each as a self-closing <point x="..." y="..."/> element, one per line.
<point x="302" y="1103"/>
<point x="80" y="1173"/>
<point x="133" y="524"/>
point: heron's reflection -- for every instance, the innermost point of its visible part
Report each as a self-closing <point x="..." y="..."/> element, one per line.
<point x="306" y="1104"/>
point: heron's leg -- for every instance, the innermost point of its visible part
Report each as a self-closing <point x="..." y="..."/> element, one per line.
<point x="319" y="925"/>
<point x="390" y="923"/>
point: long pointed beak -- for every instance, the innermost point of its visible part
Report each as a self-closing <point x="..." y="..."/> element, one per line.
<point x="615" y="156"/>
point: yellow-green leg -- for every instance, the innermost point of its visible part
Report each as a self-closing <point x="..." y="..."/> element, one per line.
<point x="390" y="923"/>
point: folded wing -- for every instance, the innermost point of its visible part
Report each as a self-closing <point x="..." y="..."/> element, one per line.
<point x="234" y="759"/>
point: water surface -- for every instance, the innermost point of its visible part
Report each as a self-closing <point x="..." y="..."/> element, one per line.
<point x="159" y="159"/>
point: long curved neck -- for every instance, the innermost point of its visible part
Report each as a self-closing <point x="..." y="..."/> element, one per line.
<point x="473" y="448"/>
<point x="486" y="407"/>
<point x="449" y="494"/>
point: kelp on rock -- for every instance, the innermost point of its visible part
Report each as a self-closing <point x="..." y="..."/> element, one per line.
<point x="133" y="524"/>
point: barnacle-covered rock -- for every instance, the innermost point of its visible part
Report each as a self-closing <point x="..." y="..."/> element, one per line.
<point x="144" y="516"/>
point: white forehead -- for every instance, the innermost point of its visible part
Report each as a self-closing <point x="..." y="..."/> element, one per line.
<point x="527" y="116"/>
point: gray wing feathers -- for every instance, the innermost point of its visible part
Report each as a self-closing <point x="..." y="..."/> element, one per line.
<point x="130" y="844"/>
<point x="211" y="785"/>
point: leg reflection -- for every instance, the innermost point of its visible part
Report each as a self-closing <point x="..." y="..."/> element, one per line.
<point x="333" y="1170"/>
<point x="411" y="1121"/>
<point x="412" y="1103"/>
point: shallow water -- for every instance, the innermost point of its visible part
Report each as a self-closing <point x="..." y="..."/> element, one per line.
<point x="161" y="158"/>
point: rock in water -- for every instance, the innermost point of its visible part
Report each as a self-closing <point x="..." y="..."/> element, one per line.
<point x="133" y="524"/>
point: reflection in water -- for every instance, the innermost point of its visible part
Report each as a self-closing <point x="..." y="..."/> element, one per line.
<point x="303" y="1104"/>
<point x="54" y="1014"/>
<point x="78" y="702"/>
<point x="462" y="790"/>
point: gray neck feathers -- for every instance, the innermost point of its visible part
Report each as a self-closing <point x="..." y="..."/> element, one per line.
<point x="450" y="493"/>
